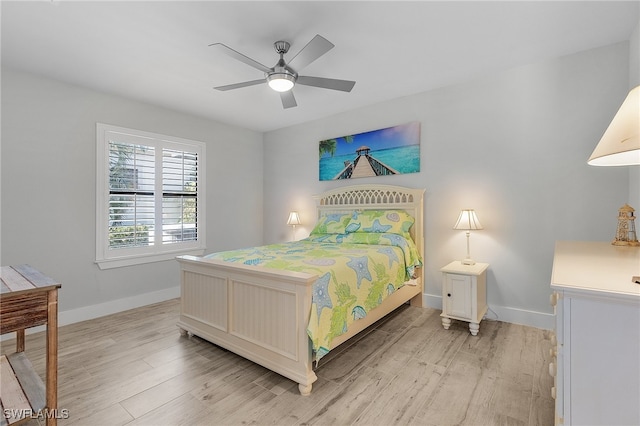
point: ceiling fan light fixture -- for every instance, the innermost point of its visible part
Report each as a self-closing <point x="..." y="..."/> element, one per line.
<point x="283" y="76"/>
<point x="281" y="82"/>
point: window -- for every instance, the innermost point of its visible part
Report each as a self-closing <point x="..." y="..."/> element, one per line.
<point x="150" y="197"/>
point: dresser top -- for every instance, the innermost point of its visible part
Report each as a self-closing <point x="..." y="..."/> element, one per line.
<point x="597" y="268"/>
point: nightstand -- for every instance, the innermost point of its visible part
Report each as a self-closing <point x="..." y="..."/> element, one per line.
<point x="464" y="294"/>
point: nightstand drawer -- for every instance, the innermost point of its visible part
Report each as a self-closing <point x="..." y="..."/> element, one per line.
<point x="20" y="311"/>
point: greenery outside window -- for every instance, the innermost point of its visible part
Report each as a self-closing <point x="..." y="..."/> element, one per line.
<point x="150" y="197"/>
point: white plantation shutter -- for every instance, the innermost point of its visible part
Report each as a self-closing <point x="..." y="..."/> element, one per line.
<point x="150" y="197"/>
<point x="131" y="194"/>
<point x="179" y="196"/>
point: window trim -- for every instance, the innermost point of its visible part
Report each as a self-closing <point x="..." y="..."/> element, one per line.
<point x="106" y="258"/>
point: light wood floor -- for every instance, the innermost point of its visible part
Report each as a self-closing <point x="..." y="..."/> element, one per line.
<point x="133" y="368"/>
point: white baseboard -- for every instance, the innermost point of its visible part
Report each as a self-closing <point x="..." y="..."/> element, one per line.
<point x="114" y="306"/>
<point x="107" y="308"/>
<point x="535" y="319"/>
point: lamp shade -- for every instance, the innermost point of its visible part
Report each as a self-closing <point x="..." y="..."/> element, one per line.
<point x="468" y="221"/>
<point x="294" y="219"/>
<point x="620" y="144"/>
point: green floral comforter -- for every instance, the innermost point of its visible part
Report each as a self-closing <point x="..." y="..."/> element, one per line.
<point x="356" y="272"/>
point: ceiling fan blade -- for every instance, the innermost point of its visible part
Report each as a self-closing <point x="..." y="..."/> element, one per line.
<point x="317" y="47"/>
<point x="239" y="85"/>
<point x="288" y="100"/>
<point x="240" y="57"/>
<point x="326" y="83"/>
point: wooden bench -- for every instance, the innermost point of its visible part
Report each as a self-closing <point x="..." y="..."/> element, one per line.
<point x="28" y="299"/>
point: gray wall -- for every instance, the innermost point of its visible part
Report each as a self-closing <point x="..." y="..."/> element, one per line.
<point x="634" y="80"/>
<point x="512" y="145"/>
<point x="48" y="189"/>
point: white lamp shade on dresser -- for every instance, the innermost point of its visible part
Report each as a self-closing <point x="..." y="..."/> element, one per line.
<point x="620" y="143"/>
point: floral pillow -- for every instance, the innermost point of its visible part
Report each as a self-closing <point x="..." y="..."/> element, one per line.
<point x="389" y="221"/>
<point x="332" y="224"/>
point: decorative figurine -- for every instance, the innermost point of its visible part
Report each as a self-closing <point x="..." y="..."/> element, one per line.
<point x="626" y="233"/>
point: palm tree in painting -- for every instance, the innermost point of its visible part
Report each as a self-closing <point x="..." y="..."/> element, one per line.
<point x="328" y="146"/>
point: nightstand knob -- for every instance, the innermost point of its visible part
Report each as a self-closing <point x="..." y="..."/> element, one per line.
<point x="448" y="294"/>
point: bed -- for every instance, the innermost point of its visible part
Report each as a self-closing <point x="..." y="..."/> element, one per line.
<point x="267" y="314"/>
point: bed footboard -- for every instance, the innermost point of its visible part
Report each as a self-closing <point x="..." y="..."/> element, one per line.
<point x="257" y="313"/>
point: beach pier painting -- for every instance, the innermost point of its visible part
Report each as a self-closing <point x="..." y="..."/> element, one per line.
<point x="391" y="151"/>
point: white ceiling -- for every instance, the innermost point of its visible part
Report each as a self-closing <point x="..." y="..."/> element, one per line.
<point x="157" y="52"/>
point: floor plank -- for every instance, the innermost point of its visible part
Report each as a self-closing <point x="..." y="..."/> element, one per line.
<point x="133" y="368"/>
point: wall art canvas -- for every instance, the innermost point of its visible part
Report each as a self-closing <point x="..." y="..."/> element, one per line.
<point x="391" y="151"/>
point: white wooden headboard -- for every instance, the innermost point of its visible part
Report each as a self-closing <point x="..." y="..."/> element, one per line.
<point x="377" y="197"/>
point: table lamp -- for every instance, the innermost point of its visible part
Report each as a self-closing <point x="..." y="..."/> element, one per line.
<point x="468" y="221"/>
<point x="294" y="219"/>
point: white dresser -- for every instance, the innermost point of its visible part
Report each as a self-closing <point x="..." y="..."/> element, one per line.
<point x="596" y="362"/>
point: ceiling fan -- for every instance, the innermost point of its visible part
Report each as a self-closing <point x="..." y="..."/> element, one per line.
<point x="283" y="76"/>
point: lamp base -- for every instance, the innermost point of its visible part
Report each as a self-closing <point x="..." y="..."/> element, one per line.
<point x="468" y="261"/>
